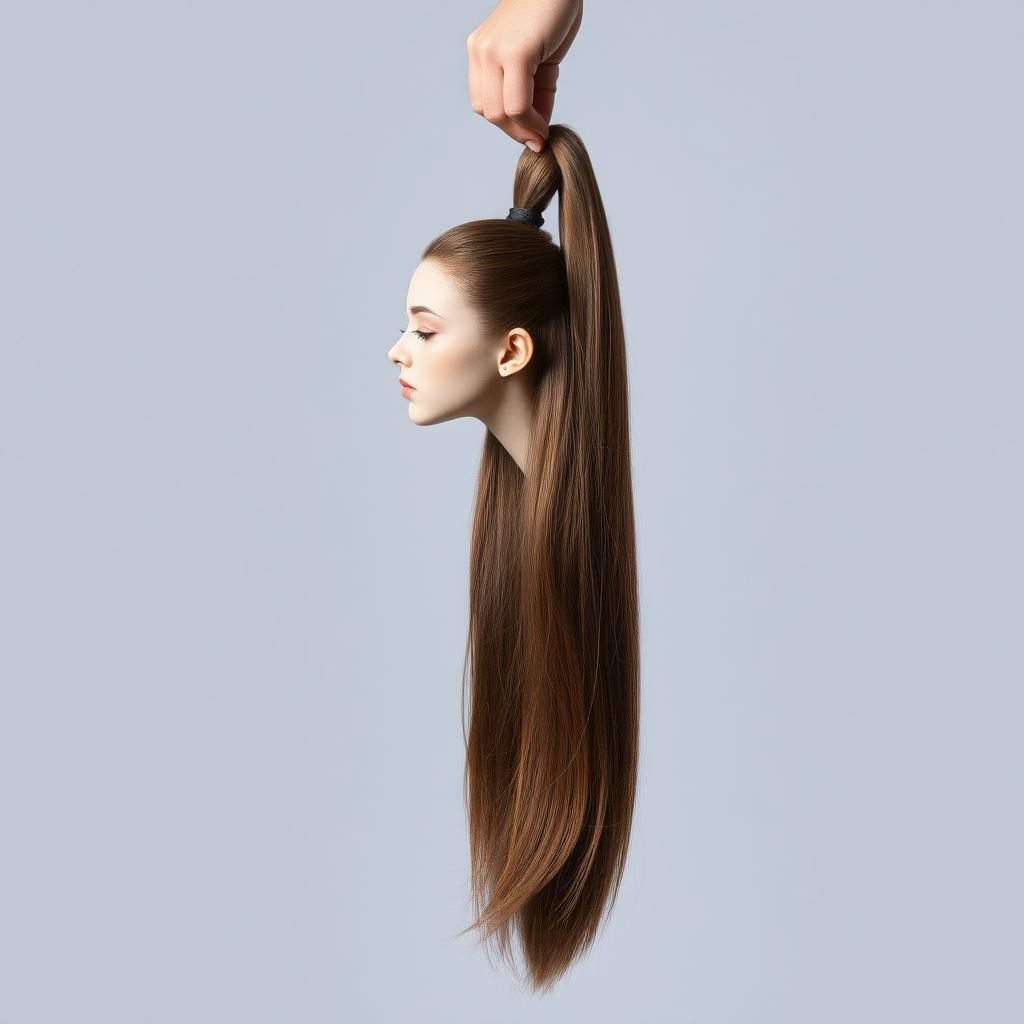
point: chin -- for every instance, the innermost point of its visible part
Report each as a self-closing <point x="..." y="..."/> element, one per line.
<point x="428" y="419"/>
<point x="420" y="417"/>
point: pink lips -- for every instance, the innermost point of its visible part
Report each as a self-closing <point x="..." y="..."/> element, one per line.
<point x="407" y="389"/>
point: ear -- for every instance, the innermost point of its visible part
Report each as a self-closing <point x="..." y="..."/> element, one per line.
<point x="516" y="352"/>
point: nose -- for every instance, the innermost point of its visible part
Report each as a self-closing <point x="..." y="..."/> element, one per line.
<point x="398" y="353"/>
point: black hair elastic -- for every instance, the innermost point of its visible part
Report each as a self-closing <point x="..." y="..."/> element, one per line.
<point x="525" y="216"/>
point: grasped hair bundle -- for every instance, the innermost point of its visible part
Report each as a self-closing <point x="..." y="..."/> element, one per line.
<point x="552" y="668"/>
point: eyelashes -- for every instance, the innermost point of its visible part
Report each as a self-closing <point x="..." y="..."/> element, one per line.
<point x="422" y="335"/>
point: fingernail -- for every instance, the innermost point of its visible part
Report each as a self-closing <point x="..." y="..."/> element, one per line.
<point x="534" y="145"/>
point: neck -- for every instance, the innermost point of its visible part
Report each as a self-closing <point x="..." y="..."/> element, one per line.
<point x="511" y="417"/>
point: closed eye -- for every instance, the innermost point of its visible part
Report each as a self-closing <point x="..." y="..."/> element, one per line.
<point x="423" y="335"/>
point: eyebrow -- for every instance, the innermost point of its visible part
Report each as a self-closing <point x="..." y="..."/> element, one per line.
<point x="423" y="309"/>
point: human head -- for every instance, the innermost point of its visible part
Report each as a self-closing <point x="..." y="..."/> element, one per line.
<point x="552" y="668"/>
<point x="505" y="322"/>
<point x="453" y="362"/>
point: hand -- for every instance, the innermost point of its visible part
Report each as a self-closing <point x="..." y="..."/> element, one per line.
<point x="513" y="64"/>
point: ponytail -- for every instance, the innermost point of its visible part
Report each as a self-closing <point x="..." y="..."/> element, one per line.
<point x="552" y="668"/>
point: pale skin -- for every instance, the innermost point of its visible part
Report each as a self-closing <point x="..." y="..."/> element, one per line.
<point x="453" y="368"/>
<point x="513" y="64"/>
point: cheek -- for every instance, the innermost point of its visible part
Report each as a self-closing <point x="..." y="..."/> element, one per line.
<point x="459" y="372"/>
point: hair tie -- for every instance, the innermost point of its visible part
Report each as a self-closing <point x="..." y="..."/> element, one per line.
<point x="525" y="216"/>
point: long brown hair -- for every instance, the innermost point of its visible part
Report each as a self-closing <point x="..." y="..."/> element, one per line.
<point x="552" y="668"/>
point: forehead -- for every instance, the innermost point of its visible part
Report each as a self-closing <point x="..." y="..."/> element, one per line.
<point x="432" y="287"/>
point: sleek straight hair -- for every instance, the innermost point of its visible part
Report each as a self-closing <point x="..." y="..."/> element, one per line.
<point x="552" y="667"/>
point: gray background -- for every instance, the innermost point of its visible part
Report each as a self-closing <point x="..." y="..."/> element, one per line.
<point x="234" y="575"/>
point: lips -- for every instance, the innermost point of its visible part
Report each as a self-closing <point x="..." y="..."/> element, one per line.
<point x="406" y="384"/>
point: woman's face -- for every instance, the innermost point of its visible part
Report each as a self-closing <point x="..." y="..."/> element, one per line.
<point x="448" y="367"/>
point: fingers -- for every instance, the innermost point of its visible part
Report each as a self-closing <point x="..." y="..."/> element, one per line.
<point x="518" y="90"/>
<point x="513" y="64"/>
<point x="503" y="93"/>
<point x="476" y="96"/>
<point x="544" y="91"/>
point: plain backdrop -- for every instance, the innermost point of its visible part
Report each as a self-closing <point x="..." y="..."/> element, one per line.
<point x="234" y="574"/>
